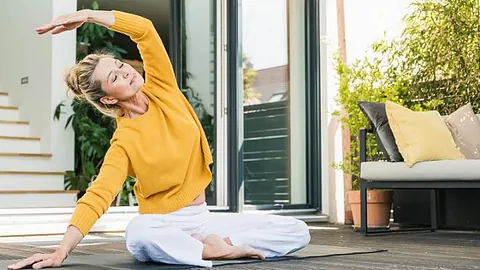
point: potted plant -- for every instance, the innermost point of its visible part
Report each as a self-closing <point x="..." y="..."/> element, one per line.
<point x="379" y="204"/>
<point x="364" y="80"/>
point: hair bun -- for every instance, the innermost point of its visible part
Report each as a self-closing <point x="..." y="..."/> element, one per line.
<point x="72" y="81"/>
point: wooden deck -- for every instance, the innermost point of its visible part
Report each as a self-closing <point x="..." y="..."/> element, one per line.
<point x="443" y="250"/>
<point x="413" y="250"/>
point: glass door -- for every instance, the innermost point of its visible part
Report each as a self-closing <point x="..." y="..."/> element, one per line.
<point x="274" y="145"/>
<point x="201" y="80"/>
<point x="250" y="70"/>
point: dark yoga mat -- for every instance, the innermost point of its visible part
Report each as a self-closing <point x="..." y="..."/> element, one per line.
<point x="124" y="261"/>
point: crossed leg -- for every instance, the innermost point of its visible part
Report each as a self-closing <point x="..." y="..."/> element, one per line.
<point x="272" y="235"/>
<point x="215" y="236"/>
<point x="216" y="247"/>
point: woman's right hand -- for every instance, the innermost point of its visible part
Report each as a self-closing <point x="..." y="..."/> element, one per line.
<point x="38" y="261"/>
<point x="65" y="22"/>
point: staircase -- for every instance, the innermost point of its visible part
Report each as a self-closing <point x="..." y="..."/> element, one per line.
<point x="23" y="181"/>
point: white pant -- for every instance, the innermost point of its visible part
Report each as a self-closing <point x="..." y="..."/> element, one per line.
<point x="167" y="238"/>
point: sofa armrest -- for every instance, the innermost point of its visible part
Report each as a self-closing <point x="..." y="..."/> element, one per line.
<point x="362" y="137"/>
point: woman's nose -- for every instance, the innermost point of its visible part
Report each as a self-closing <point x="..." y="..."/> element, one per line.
<point x="126" y="75"/>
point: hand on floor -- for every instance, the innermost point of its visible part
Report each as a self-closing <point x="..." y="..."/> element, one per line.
<point x="38" y="261"/>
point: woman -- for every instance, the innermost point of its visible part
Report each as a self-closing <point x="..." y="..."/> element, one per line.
<point x="159" y="141"/>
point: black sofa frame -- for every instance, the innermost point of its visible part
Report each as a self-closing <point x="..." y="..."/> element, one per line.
<point x="434" y="186"/>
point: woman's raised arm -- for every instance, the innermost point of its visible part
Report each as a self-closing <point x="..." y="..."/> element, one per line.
<point x="158" y="67"/>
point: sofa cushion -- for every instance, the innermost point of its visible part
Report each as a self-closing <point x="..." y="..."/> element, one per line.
<point x="421" y="136"/>
<point x="465" y="128"/>
<point x="376" y="115"/>
<point x="441" y="170"/>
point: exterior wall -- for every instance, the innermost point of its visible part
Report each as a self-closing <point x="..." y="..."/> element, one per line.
<point x="63" y="57"/>
<point x="365" y="22"/>
<point x="27" y="54"/>
<point x="44" y="59"/>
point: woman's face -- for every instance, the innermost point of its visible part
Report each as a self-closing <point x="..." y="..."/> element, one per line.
<point x="119" y="80"/>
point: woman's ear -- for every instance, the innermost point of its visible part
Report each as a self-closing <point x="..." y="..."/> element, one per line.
<point x="108" y="100"/>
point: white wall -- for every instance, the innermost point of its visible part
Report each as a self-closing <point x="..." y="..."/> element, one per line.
<point x="365" y="23"/>
<point x="328" y="29"/>
<point x="43" y="59"/>
<point x="63" y="57"/>
<point x="24" y="53"/>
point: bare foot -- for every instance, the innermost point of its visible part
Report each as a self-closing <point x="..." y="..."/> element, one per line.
<point x="227" y="239"/>
<point x="217" y="248"/>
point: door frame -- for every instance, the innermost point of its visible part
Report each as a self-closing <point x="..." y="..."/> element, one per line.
<point x="234" y="186"/>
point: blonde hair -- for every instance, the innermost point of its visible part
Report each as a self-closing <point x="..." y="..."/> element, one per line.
<point x="80" y="81"/>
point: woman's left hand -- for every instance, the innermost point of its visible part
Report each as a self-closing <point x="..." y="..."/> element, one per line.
<point x="65" y="22"/>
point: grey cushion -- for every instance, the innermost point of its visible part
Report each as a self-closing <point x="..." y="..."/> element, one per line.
<point x="442" y="170"/>
<point x="377" y="116"/>
<point x="444" y="117"/>
<point x="464" y="126"/>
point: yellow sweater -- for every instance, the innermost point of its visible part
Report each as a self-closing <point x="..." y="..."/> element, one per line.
<point x="165" y="149"/>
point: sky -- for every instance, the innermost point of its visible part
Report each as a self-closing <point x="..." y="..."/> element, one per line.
<point x="264" y="30"/>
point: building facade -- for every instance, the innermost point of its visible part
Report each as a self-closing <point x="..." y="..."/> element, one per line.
<point x="259" y="74"/>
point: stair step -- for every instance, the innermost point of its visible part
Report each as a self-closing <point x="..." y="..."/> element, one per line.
<point x="19" y="138"/>
<point x="14" y="128"/>
<point x="30" y="180"/>
<point x="20" y="144"/>
<point x="38" y="198"/>
<point x="25" y="155"/>
<point x="31" y="173"/>
<point x="39" y="212"/>
<point x="14" y="122"/>
<point x="8" y="108"/>
<point x="47" y="221"/>
<point x="26" y="161"/>
<point x="48" y="224"/>
<point x="11" y="115"/>
<point x="16" y="192"/>
<point x="59" y="228"/>
<point x="4" y="100"/>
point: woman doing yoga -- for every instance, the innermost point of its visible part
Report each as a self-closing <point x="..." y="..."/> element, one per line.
<point x="160" y="142"/>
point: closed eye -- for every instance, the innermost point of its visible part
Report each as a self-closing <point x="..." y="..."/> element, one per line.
<point x="115" y="77"/>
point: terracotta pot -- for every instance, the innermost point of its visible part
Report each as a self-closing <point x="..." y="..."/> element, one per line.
<point x="379" y="203"/>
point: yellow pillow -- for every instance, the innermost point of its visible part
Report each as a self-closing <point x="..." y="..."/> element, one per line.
<point x="421" y="136"/>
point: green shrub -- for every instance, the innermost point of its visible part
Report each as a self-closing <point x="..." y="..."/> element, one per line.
<point x="363" y="80"/>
